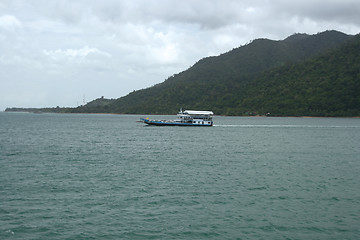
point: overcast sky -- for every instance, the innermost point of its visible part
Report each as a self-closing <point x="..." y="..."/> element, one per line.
<point x="62" y="53"/>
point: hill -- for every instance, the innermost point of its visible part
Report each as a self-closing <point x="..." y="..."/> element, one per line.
<point x="327" y="85"/>
<point x="300" y="75"/>
<point x="227" y="83"/>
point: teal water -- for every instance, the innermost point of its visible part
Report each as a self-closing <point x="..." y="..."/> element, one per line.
<point x="109" y="177"/>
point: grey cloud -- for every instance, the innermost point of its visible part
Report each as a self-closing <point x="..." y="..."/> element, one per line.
<point x="346" y="11"/>
<point x="207" y="14"/>
<point x="61" y="46"/>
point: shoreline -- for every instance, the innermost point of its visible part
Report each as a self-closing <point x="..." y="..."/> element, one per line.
<point x="142" y="114"/>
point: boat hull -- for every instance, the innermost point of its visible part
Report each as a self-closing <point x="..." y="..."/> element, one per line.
<point x="173" y="123"/>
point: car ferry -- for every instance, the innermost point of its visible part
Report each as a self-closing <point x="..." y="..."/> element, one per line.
<point x="185" y="118"/>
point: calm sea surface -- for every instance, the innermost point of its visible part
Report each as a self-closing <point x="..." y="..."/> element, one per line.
<point x="79" y="176"/>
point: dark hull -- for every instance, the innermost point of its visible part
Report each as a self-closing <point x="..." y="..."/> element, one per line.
<point x="173" y="123"/>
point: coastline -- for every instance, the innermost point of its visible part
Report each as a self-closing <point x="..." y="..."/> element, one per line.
<point x="142" y="114"/>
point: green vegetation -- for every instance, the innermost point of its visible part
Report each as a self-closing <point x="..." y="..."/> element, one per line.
<point x="313" y="75"/>
<point x="328" y="85"/>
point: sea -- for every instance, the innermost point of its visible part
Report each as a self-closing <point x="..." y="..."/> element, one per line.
<point x="94" y="176"/>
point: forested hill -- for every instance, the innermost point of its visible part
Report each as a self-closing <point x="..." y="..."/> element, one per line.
<point x="235" y="83"/>
<point x="315" y="75"/>
<point x="326" y="85"/>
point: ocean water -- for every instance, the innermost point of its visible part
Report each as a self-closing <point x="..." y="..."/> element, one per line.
<point x="77" y="176"/>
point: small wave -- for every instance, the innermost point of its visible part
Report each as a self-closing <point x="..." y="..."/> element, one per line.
<point x="257" y="188"/>
<point x="9" y="232"/>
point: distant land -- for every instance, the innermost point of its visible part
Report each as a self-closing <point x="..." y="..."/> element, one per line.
<point x="302" y="75"/>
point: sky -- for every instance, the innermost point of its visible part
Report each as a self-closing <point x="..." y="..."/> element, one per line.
<point x="66" y="53"/>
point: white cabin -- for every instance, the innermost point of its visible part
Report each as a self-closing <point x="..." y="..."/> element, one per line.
<point x="196" y="117"/>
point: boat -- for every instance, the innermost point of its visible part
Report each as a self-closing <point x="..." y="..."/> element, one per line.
<point x="185" y="118"/>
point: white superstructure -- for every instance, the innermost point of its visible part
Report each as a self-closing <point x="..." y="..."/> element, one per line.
<point x="196" y="117"/>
